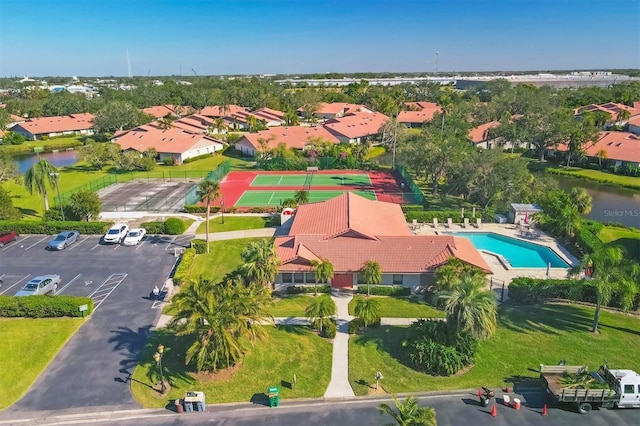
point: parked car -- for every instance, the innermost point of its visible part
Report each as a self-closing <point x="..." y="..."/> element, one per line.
<point x="63" y="240"/>
<point x="7" y="237"/>
<point x="134" y="237"/>
<point x="116" y="233"/>
<point x="40" y="285"/>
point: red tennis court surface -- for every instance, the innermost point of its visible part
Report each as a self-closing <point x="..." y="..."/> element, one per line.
<point x="383" y="184"/>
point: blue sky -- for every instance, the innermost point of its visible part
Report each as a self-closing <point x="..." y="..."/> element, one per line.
<point x="165" y="37"/>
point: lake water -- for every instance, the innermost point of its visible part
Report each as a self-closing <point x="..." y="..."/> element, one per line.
<point x="610" y="203"/>
<point x="58" y="159"/>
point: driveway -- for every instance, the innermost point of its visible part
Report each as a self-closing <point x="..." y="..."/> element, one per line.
<point x="92" y="368"/>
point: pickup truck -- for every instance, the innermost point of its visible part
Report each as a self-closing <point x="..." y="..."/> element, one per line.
<point x="618" y="388"/>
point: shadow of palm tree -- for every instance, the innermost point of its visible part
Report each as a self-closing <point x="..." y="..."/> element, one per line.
<point x="548" y="319"/>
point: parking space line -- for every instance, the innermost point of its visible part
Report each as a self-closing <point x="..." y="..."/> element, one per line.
<point x="171" y="243"/>
<point x="14" y="284"/>
<point x="78" y="243"/>
<point x="141" y="243"/>
<point x="21" y="240"/>
<point x="108" y="286"/>
<point x="35" y="244"/>
<point x="97" y="245"/>
<point x="68" y="284"/>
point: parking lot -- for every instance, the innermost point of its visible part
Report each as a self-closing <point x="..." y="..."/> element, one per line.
<point x="93" y="368"/>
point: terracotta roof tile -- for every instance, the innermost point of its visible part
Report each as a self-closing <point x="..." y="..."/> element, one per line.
<point x="481" y="133"/>
<point x="173" y="140"/>
<point x="622" y="146"/>
<point x="293" y="136"/>
<point x="357" y="125"/>
<point x="64" y="123"/>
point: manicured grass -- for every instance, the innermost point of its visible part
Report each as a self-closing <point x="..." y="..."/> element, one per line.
<point x="597" y="175"/>
<point x="292" y="306"/>
<point x="223" y="258"/>
<point x="526" y="337"/>
<point x="235" y="223"/>
<point x="28" y="345"/>
<point x="628" y="239"/>
<point x="46" y="145"/>
<point x="287" y="351"/>
<point x="394" y="307"/>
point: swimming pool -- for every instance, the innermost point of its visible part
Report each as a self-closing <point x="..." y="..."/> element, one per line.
<point x="520" y="254"/>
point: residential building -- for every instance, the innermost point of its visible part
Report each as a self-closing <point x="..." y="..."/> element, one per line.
<point x="37" y="128"/>
<point x="612" y="149"/>
<point x="349" y="230"/>
<point x="482" y="138"/>
<point x="418" y="113"/>
<point x="357" y="127"/>
<point x="292" y="136"/>
<point x="328" y="111"/>
<point x="161" y="111"/>
<point x="612" y="108"/>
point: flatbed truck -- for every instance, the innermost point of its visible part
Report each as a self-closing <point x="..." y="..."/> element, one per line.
<point x="622" y="387"/>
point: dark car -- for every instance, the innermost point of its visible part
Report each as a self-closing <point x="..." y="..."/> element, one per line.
<point x="7" y="237"/>
<point x="64" y="239"/>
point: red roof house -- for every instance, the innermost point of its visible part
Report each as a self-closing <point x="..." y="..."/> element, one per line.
<point x="356" y="127"/>
<point x="418" y="113"/>
<point x="36" y="128"/>
<point x="349" y="230"/>
<point x="620" y="148"/>
<point x="292" y="136"/>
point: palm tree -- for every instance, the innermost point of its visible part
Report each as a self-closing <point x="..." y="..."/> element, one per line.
<point x="581" y="200"/>
<point x="448" y="275"/>
<point x="623" y="115"/>
<point x="323" y="271"/>
<point x="602" y="155"/>
<point x="38" y="177"/>
<point x="260" y="263"/>
<point x="360" y="151"/>
<point x="252" y="121"/>
<point x="370" y="273"/>
<point x="611" y="272"/>
<point x="368" y="309"/>
<point x="220" y="317"/>
<point x="409" y="413"/>
<point x="291" y="117"/>
<point x="470" y="308"/>
<point x="208" y="191"/>
<point x="301" y="196"/>
<point x="446" y="105"/>
<point x="320" y="310"/>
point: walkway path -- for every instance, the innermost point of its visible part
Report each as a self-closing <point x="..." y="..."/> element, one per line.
<point x="339" y="386"/>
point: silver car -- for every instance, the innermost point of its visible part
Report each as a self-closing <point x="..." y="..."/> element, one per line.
<point x="64" y="239"/>
<point x="40" y="285"/>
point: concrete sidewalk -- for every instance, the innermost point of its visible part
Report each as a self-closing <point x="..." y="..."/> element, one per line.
<point x="339" y="386"/>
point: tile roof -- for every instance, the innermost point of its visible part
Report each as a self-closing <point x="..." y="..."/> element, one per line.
<point x="349" y="230"/>
<point x="357" y="125"/>
<point x="419" y="113"/>
<point x="64" y="123"/>
<point x="160" y="111"/>
<point x="481" y="133"/>
<point x="173" y="140"/>
<point x="194" y="123"/>
<point x="293" y="136"/>
<point x="610" y="107"/>
<point x="217" y="111"/>
<point x="621" y="146"/>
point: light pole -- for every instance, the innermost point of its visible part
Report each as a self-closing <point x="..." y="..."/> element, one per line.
<point x="157" y="357"/>
<point x="56" y="177"/>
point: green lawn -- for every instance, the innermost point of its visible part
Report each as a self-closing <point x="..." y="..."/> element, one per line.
<point x="223" y="258"/>
<point x="526" y="337"/>
<point x="286" y="351"/>
<point x="292" y="306"/>
<point x="28" y="345"/>
<point x="628" y="239"/>
<point x="235" y="223"/>
<point x="597" y="175"/>
<point x="394" y="307"/>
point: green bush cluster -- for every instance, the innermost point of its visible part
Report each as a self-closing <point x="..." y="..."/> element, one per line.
<point x="174" y="226"/>
<point x="357" y="324"/>
<point x="384" y="290"/>
<point x="412" y="208"/>
<point x="196" y="208"/>
<point x="443" y="215"/>
<point x="153" y="227"/>
<point x="183" y="270"/>
<point x="196" y="158"/>
<point x="52" y="227"/>
<point x="200" y="246"/>
<point x="294" y="289"/>
<point x="44" y="306"/>
<point x="432" y="347"/>
<point x="330" y="330"/>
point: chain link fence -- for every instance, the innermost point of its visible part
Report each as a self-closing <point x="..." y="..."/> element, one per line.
<point x="418" y="196"/>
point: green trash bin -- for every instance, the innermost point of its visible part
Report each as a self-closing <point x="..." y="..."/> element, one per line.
<point x="274" y="396"/>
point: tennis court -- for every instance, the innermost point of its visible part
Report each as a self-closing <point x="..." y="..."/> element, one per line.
<point x="314" y="179"/>
<point x="275" y="198"/>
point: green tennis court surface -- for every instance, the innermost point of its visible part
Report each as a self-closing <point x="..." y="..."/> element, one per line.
<point x="316" y="180"/>
<point x="275" y="198"/>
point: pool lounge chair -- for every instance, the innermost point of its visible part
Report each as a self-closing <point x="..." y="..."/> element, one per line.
<point x="435" y="223"/>
<point x="449" y="222"/>
<point x="478" y="222"/>
<point x="465" y="222"/>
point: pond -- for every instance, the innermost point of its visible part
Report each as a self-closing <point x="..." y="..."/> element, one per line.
<point x="610" y="203"/>
<point x="58" y="159"/>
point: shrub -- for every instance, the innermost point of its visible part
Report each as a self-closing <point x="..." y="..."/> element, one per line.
<point x="443" y="215"/>
<point x="355" y="325"/>
<point x="412" y="208"/>
<point x="294" y="289"/>
<point x="168" y="161"/>
<point x="153" y="227"/>
<point x="174" y="226"/>
<point x="384" y="290"/>
<point x="52" y="227"/>
<point x="196" y="158"/>
<point x="199" y="245"/>
<point x="196" y="208"/>
<point x="330" y="330"/>
<point x="183" y="270"/>
<point x="44" y="306"/>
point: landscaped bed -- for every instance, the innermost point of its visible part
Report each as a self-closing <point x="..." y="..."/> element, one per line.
<point x="235" y="223"/>
<point x="405" y="307"/>
<point x="28" y="347"/>
<point x="286" y="351"/>
<point x="526" y="337"/>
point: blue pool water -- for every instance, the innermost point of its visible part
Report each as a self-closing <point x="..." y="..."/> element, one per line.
<point x="520" y="254"/>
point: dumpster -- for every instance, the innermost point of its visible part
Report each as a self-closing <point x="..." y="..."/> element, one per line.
<point x="194" y="401"/>
<point x="274" y="396"/>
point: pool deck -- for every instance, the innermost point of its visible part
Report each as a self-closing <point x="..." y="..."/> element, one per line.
<point x="500" y="271"/>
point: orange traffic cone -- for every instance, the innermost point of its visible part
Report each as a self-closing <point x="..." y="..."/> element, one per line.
<point x="494" y="411"/>
<point x="544" y="410"/>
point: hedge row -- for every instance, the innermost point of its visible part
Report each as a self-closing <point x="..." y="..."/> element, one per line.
<point x="172" y="226"/>
<point x="384" y="290"/>
<point x="44" y="306"/>
<point x="412" y="208"/>
<point x="196" y="208"/>
<point x="529" y="291"/>
<point x="443" y="215"/>
<point x="587" y="240"/>
<point x="52" y="227"/>
<point x="295" y="289"/>
<point x="200" y="246"/>
<point x="183" y="270"/>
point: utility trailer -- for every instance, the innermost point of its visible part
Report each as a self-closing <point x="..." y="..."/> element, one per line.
<point x="622" y="387"/>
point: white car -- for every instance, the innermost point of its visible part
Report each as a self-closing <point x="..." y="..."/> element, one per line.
<point x="40" y="285"/>
<point x="116" y="233"/>
<point x="134" y="237"/>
